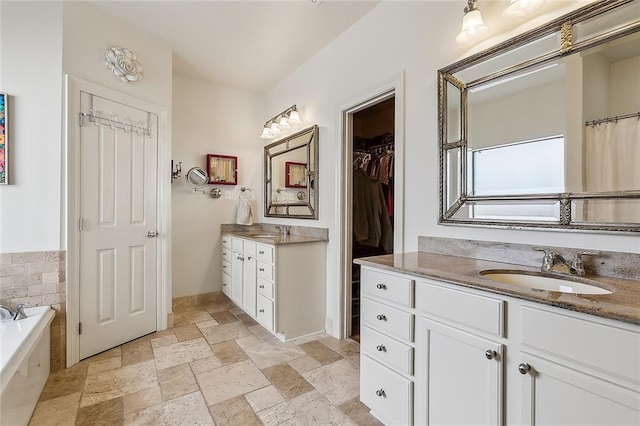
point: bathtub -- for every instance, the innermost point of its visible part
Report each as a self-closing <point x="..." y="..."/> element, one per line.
<point x="24" y="364"/>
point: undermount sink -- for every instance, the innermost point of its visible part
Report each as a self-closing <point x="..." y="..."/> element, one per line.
<point x="263" y="235"/>
<point x="536" y="281"/>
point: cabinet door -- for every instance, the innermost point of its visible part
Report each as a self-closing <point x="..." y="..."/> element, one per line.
<point x="226" y="284"/>
<point x="249" y="285"/>
<point x="555" y="394"/>
<point x="237" y="267"/>
<point x="464" y="376"/>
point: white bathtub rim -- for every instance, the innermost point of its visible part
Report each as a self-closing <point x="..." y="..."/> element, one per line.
<point x="12" y="359"/>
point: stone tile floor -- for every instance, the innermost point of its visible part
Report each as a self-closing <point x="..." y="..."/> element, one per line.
<point x="215" y="366"/>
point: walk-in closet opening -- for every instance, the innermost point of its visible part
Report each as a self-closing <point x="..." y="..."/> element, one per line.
<point x="372" y="194"/>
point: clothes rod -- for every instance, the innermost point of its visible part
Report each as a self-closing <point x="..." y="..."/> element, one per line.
<point x="612" y="119"/>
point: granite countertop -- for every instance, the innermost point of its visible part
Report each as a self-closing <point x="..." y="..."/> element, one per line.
<point x="275" y="239"/>
<point x="622" y="305"/>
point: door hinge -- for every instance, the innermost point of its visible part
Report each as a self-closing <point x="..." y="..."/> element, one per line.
<point x="80" y="224"/>
<point x="80" y="121"/>
<point x="79" y="328"/>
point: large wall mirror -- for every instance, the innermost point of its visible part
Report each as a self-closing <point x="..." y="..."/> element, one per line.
<point x="543" y="130"/>
<point x="291" y="176"/>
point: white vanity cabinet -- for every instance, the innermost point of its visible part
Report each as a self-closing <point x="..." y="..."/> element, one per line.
<point x="386" y="345"/>
<point x="484" y="358"/>
<point x="282" y="286"/>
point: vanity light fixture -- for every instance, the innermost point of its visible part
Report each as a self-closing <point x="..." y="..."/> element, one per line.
<point x="519" y="8"/>
<point x="281" y="121"/>
<point x="472" y="24"/>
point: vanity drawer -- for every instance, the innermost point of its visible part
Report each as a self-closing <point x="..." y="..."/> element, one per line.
<point x="471" y="310"/>
<point x="386" y="350"/>
<point x="249" y="248"/>
<point x="226" y="241"/>
<point x="389" y="287"/>
<point x="606" y="348"/>
<point x="386" y="392"/>
<point x="265" y="253"/>
<point x="226" y="255"/>
<point x="236" y="244"/>
<point x="265" y="271"/>
<point x="387" y="319"/>
<point x="264" y="312"/>
<point x="265" y="288"/>
<point x="226" y="284"/>
<point x="226" y="267"/>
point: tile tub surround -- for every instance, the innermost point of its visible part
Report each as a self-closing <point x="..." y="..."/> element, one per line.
<point x="210" y="368"/>
<point x="606" y="264"/>
<point x="38" y="278"/>
<point x="622" y="304"/>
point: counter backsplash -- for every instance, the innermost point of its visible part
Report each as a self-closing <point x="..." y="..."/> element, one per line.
<point x="607" y="263"/>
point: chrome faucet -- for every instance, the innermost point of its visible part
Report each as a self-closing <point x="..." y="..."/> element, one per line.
<point x="284" y="230"/>
<point x="552" y="258"/>
<point x="17" y="313"/>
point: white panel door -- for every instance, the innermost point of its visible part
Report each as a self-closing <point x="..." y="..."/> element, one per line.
<point x="118" y="198"/>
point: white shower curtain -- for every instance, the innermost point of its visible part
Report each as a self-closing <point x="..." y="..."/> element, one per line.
<point x="613" y="164"/>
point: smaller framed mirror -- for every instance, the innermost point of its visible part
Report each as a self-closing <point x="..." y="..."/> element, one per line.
<point x="291" y="176"/>
<point x="196" y="178"/>
<point x="222" y="169"/>
<point x="295" y="175"/>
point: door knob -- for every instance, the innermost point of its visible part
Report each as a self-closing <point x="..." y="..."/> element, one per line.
<point x="524" y="368"/>
<point x="152" y="234"/>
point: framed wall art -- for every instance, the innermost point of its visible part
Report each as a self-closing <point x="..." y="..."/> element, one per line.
<point x="222" y="169"/>
<point x="4" y="140"/>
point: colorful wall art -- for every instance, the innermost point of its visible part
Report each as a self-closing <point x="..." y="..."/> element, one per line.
<point x="4" y="141"/>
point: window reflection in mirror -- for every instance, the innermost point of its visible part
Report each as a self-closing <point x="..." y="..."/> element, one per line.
<point x="291" y="176"/>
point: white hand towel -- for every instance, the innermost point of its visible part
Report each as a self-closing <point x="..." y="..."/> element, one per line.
<point x="244" y="217"/>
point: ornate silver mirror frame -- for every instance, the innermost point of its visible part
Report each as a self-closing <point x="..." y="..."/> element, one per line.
<point x="281" y="197"/>
<point x="594" y="25"/>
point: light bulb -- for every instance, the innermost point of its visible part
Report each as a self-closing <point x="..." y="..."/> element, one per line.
<point x="518" y="8"/>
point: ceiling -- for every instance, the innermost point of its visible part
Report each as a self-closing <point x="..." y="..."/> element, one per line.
<point x="249" y="45"/>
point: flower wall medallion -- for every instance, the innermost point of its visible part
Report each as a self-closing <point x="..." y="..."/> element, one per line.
<point x="124" y="64"/>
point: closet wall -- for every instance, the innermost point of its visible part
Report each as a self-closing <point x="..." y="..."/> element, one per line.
<point x="373" y="176"/>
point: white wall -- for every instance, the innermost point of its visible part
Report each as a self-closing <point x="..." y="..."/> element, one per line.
<point x="625" y="87"/>
<point x="416" y="38"/>
<point x="210" y="119"/>
<point x="31" y="74"/>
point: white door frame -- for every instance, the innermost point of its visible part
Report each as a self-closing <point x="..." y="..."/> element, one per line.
<point x="71" y="133"/>
<point x="394" y="87"/>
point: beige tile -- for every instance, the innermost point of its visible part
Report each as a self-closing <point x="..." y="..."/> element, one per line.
<point x="136" y="352"/>
<point x="164" y="341"/>
<point x="117" y="351"/>
<point x="309" y="409"/>
<point x="27" y="257"/>
<point x="58" y="411"/>
<point x="189" y="409"/>
<point x="177" y="381"/>
<point x="104" y="365"/>
<point x="344" y="347"/>
<point x="359" y="413"/>
<point x="187" y="332"/>
<point x="206" y="324"/>
<point x="105" y="413"/>
<point x="236" y="310"/>
<point x="338" y="382"/>
<point x="112" y="384"/>
<point x="245" y="342"/>
<point x="5" y="258"/>
<point x="205" y="364"/>
<point x="268" y="354"/>
<point x="228" y="352"/>
<point x="311" y="338"/>
<point x="224" y="332"/>
<point x="246" y="319"/>
<point x="141" y="400"/>
<point x="264" y="398"/>
<point x="224" y="317"/>
<point x="190" y="316"/>
<point x="304" y="364"/>
<point x="320" y="352"/>
<point x="65" y="382"/>
<point x="229" y="381"/>
<point x="181" y="353"/>
<point x="235" y="411"/>
<point x="287" y="380"/>
<point x="260" y="331"/>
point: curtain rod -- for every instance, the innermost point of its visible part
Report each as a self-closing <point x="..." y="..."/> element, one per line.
<point x="612" y="119"/>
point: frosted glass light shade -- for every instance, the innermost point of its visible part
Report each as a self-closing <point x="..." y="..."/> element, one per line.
<point x="294" y="117"/>
<point x="472" y="26"/>
<point x="283" y="123"/>
<point x="275" y="129"/>
<point x="518" y="8"/>
<point x="266" y="133"/>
